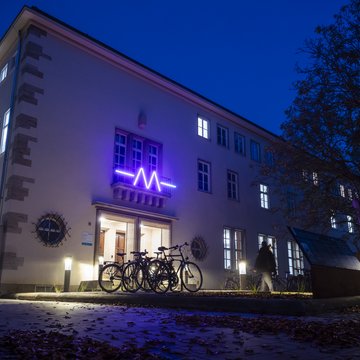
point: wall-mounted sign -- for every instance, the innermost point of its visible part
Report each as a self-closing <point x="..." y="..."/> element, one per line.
<point x="51" y="230"/>
<point x="141" y="180"/>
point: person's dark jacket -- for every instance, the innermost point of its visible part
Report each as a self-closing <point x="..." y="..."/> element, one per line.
<point x="265" y="261"/>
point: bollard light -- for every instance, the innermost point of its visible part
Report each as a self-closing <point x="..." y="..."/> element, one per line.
<point x="242" y="271"/>
<point x="242" y="268"/>
<point x="101" y="263"/>
<point x="68" y="264"/>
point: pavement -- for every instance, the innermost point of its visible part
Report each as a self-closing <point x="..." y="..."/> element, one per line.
<point x="206" y="300"/>
<point x="207" y="325"/>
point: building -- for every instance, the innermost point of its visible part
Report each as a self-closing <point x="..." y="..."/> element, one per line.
<point x="100" y="154"/>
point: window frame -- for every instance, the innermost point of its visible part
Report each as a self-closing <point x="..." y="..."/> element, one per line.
<point x="204" y="175"/>
<point x="4" y="72"/>
<point x="4" y="131"/>
<point x="203" y="131"/>
<point x="255" y="149"/>
<point x="232" y="185"/>
<point x="295" y="258"/>
<point x="239" y="149"/>
<point x="264" y="196"/>
<point x="222" y="136"/>
<point x="131" y="163"/>
<point x="271" y="240"/>
<point x="234" y="247"/>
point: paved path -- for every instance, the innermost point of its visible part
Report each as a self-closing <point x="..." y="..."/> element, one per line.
<point x="158" y="330"/>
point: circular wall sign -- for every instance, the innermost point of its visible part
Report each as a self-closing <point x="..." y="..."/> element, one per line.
<point x="51" y="230"/>
<point x="199" y="248"/>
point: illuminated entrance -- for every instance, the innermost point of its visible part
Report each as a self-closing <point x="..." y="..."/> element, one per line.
<point x="125" y="234"/>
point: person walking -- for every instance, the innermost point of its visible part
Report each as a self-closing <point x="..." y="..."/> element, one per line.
<point x="265" y="263"/>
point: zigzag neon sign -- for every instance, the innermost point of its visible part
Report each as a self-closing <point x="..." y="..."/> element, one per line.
<point x="140" y="175"/>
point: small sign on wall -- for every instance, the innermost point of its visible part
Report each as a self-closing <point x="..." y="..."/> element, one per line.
<point x="87" y="239"/>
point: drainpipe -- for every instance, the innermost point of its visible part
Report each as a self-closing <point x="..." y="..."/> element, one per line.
<point x="7" y="151"/>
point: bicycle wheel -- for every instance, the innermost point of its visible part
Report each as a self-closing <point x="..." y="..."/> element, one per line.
<point x="129" y="277"/>
<point x="175" y="283"/>
<point x="191" y="276"/>
<point x="158" y="276"/>
<point x="110" y="277"/>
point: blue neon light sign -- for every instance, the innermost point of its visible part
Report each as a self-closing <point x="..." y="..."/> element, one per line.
<point x="140" y="176"/>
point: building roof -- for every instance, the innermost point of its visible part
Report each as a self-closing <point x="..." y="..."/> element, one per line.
<point x="36" y="15"/>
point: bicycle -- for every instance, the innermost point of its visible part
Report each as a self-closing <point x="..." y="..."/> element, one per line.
<point x="110" y="276"/>
<point x="182" y="272"/>
<point x="140" y="272"/>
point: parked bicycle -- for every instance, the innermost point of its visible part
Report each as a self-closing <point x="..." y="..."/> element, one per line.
<point x="182" y="273"/>
<point x="140" y="273"/>
<point x="110" y="276"/>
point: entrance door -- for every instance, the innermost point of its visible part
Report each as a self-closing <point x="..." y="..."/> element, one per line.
<point x="119" y="245"/>
<point x="154" y="234"/>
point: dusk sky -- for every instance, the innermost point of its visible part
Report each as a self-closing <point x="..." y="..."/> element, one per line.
<point x="240" y="54"/>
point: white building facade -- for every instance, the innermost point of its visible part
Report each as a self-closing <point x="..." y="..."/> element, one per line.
<point x="100" y="155"/>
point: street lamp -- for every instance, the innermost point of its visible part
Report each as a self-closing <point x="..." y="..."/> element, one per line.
<point x="67" y="263"/>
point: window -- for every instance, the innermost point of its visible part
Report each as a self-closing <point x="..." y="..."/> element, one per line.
<point x="203" y="127"/>
<point x="227" y="249"/>
<point x="255" y="151"/>
<point x="153" y="158"/>
<point x="203" y="176"/>
<point x="271" y="240"/>
<point x="295" y="259"/>
<point x="232" y="185"/>
<point x="291" y="203"/>
<point x="333" y="222"/>
<point x="132" y="152"/>
<point x="341" y="190"/>
<point x="264" y="196"/>
<point x="269" y="158"/>
<point x="239" y="143"/>
<point x="222" y="136"/>
<point x="120" y="151"/>
<point x="234" y="246"/>
<point x="238" y="247"/>
<point x="4" y="133"/>
<point x="3" y="73"/>
<point x="137" y="154"/>
<point x="315" y="178"/>
<point x="350" y="224"/>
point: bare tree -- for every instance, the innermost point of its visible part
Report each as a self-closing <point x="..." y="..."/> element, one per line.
<point x="318" y="157"/>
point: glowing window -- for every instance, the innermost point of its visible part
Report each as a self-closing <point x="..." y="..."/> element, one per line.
<point x="227" y="249"/>
<point x="342" y="190"/>
<point x="270" y="240"/>
<point x="3" y="73"/>
<point x="4" y="133"/>
<point x="203" y="128"/>
<point x="350" y="224"/>
<point x="295" y="259"/>
<point x="264" y="196"/>
<point x="333" y="222"/>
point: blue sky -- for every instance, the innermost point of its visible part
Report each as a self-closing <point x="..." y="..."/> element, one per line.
<point x="240" y="54"/>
